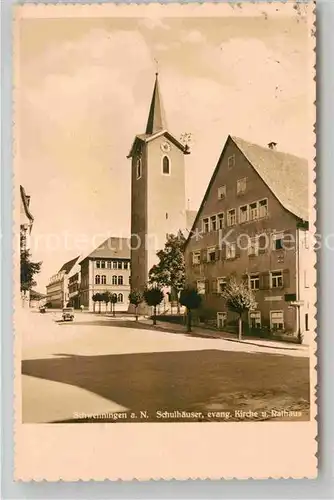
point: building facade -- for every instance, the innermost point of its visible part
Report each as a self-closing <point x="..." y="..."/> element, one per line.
<point x="106" y="269"/>
<point x="253" y="223"/>
<point x="158" y="204"/>
<point x="57" y="291"/>
<point x="26" y="223"/>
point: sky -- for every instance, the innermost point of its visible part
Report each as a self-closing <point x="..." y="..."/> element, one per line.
<point x="84" y="91"/>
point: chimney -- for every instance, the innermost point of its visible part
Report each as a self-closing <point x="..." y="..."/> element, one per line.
<point x="272" y="145"/>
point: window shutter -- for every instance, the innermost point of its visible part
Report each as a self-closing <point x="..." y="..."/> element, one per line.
<point x="289" y="240"/>
<point x="223" y="252"/>
<point x="214" y="285"/>
<point x="286" y="278"/>
<point x="264" y="281"/>
<point x="262" y="244"/>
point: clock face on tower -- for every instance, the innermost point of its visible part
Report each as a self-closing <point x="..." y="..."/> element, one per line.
<point x="165" y="147"/>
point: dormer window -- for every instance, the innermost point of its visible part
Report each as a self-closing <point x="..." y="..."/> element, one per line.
<point x="166" y="165"/>
<point x="138" y="168"/>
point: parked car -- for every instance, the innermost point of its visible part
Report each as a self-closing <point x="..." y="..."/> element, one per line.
<point x="42" y="309"/>
<point x="68" y="314"/>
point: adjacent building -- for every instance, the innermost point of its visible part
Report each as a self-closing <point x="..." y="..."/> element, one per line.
<point x="253" y="222"/>
<point x="26" y="223"/>
<point x="106" y="269"/>
<point x="57" y="291"/>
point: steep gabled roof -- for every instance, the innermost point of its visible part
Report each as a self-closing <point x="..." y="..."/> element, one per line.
<point x="285" y="175"/>
<point x="67" y="267"/>
<point x="156" y="118"/>
<point x="111" y="248"/>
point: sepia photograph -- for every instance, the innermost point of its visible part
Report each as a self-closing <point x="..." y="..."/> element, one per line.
<point x="166" y="227"/>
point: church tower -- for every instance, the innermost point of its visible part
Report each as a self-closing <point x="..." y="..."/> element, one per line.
<point x="158" y="204"/>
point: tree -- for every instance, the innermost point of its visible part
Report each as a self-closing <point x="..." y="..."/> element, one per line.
<point x="153" y="296"/>
<point x="28" y="268"/>
<point x="170" y="270"/>
<point x="191" y="299"/>
<point x="239" y="298"/>
<point x="113" y="300"/>
<point x="95" y="299"/>
<point x="136" y="298"/>
<point x="106" y="298"/>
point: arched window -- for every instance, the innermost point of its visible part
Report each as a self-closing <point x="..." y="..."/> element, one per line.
<point x="97" y="279"/>
<point x="138" y="168"/>
<point x="114" y="280"/>
<point x="120" y="280"/>
<point x="103" y="279"/>
<point x="120" y="297"/>
<point x="166" y="165"/>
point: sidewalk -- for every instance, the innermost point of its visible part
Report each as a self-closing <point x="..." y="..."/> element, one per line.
<point x="207" y="333"/>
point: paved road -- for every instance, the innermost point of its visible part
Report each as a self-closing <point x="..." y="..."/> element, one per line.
<point x="102" y="365"/>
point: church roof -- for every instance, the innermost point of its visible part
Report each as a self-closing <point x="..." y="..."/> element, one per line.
<point x="156" y="123"/>
<point x="156" y="119"/>
<point x="286" y="176"/>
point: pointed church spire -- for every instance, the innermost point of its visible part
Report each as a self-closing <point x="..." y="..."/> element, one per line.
<point x="156" y="118"/>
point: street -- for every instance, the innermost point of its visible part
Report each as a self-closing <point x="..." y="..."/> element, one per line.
<point x="100" y="369"/>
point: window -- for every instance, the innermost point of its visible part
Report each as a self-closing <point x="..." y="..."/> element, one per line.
<point x="306" y="322"/>
<point x="98" y="264"/>
<point x="120" y="297"/>
<point x="114" y="264"/>
<point x="119" y="264"/>
<point x="231" y="161"/>
<point x="97" y="279"/>
<point x="166" y="165"/>
<point x="253" y="211"/>
<point x="221" y="284"/>
<point x="120" y="280"/>
<point x="243" y="214"/>
<point x="221" y="192"/>
<point x="241" y="185"/>
<point x="306" y="283"/>
<point x="114" y="280"/>
<point x="231" y="250"/>
<point x="200" y="285"/>
<point x="103" y="264"/>
<point x="277" y="320"/>
<point x="138" y="168"/>
<point x="221" y="319"/>
<point x="109" y="264"/>
<point x="231" y="217"/>
<point x="206" y="225"/>
<point x="220" y="221"/>
<point x="196" y="258"/>
<point x="276" y="279"/>
<point x="103" y="279"/>
<point x="254" y="281"/>
<point x="263" y="208"/>
<point x="278" y="241"/>
<point x="255" y="319"/>
<point x="213" y="221"/>
<point x="126" y="265"/>
<point x="211" y="254"/>
<point x="253" y="248"/>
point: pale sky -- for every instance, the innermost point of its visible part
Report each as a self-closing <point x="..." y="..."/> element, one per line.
<point x="85" y="89"/>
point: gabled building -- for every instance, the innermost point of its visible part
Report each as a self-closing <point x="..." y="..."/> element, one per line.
<point x="57" y="292"/>
<point x="26" y="223"/>
<point x="106" y="269"/>
<point x="253" y="222"/>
